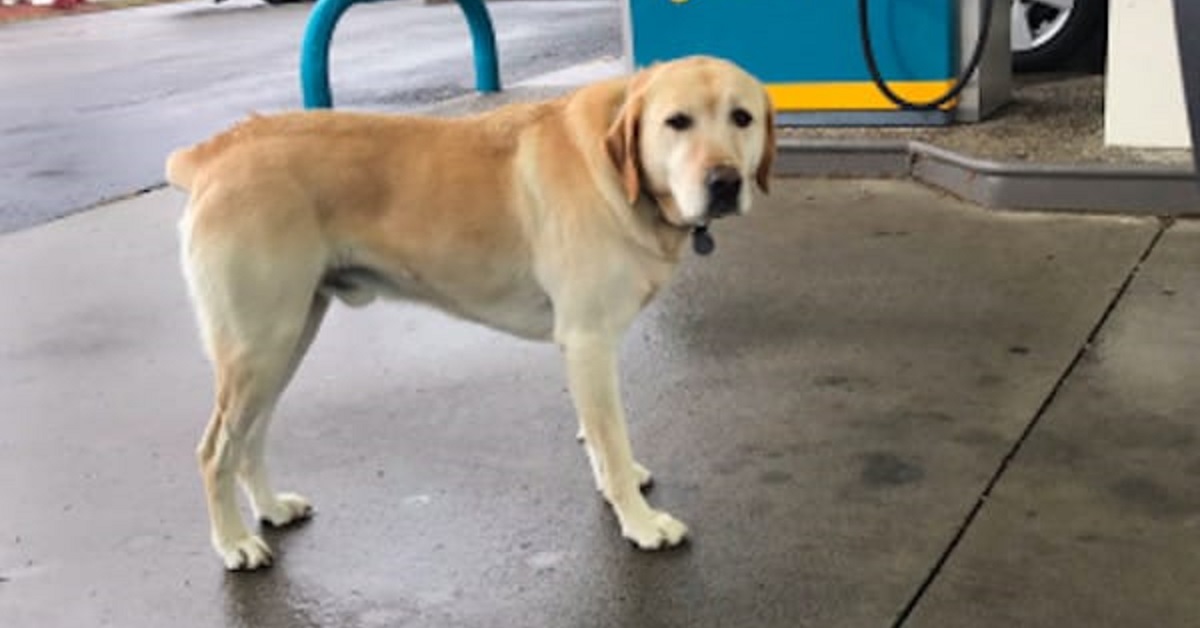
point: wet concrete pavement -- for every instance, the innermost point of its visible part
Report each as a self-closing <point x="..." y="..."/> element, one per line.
<point x="1100" y="513"/>
<point x="92" y="103"/>
<point x="831" y="402"/>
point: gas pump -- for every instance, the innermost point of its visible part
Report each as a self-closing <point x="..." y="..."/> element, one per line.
<point x="844" y="62"/>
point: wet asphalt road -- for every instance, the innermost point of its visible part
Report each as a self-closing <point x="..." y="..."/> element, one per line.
<point x="91" y="104"/>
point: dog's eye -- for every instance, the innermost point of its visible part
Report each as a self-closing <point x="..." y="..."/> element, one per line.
<point x="741" y="117"/>
<point x="680" y="122"/>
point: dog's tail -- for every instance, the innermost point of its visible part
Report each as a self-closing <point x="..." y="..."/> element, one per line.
<point x="183" y="163"/>
<point x="181" y="167"/>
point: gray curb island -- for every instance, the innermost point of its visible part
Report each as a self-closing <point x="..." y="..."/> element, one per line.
<point x="1098" y="188"/>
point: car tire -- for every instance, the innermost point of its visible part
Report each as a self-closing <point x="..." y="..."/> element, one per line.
<point x="1052" y="39"/>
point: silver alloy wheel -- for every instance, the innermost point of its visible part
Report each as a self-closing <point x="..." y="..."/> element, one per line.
<point x="1035" y="22"/>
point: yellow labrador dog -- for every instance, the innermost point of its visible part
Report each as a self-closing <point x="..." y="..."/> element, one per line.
<point x="553" y="221"/>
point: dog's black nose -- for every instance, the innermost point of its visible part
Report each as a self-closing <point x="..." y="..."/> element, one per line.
<point x="724" y="185"/>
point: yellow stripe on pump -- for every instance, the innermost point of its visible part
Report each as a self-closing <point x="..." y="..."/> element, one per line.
<point x="852" y="95"/>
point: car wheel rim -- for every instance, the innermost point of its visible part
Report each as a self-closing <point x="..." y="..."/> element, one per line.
<point x="1036" y="22"/>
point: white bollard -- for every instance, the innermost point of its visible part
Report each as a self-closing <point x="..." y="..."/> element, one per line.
<point x="1143" y="100"/>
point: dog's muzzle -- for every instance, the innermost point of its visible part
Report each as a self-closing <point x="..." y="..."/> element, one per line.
<point x="724" y="186"/>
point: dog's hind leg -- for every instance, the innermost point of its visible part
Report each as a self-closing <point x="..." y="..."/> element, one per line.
<point x="278" y="509"/>
<point x="257" y="307"/>
<point x="249" y="379"/>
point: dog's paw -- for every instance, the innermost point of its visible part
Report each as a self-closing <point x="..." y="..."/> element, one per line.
<point x="657" y="531"/>
<point x="245" y="554"/>
<point x="286" y="509"/>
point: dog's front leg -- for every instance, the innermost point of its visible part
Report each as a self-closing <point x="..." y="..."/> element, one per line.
<point x="592" y="374"/>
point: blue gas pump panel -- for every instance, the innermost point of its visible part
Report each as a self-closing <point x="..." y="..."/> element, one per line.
<point x="809" y="52"/>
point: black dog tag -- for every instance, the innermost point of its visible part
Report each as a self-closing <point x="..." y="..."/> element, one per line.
<point x="702" y="241"/>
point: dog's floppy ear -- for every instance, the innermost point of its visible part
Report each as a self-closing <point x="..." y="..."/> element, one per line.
<point x="763" y="176"/>
<point x="622" y="138"/>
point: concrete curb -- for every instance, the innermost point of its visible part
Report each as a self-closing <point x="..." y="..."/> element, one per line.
<point x="1099" y="188"/>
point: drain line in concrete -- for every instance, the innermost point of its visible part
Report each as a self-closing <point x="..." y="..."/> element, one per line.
<point x="961" y="532"/>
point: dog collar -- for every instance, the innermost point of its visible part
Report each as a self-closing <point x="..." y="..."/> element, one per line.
<point x="702" y="240"/>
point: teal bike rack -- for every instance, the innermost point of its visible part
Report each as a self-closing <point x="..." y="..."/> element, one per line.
<point x="314" y="52"/>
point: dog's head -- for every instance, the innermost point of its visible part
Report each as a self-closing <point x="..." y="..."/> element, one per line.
<point x="692" y="134"/>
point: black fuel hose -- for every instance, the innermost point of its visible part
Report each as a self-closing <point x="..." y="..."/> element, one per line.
<point x="864" y="29"/>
